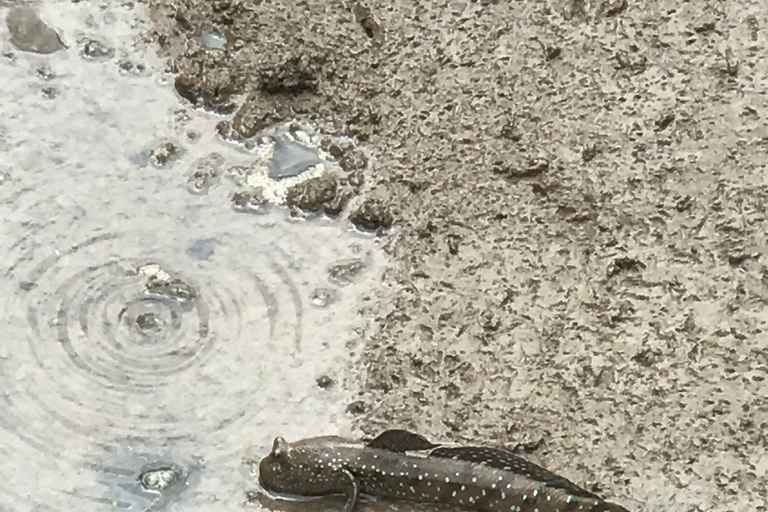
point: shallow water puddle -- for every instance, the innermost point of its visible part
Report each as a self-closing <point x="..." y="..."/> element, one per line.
<point x="152" y="335"/>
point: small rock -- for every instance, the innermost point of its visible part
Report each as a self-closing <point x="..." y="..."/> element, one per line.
<point x="95" y="49"/>
<point x="312" y="194"/>
<point x="146" y="321"/>
<point x="30" y="34"/>
<point x="291" y="158"/>
<point x="213" y="41"/>
<point x="158" y="479"/>
<point x="50" y="92"/>
<point x="372" y="215"/>
<point x="46" y="74"/>
<point x="324" y="382"/>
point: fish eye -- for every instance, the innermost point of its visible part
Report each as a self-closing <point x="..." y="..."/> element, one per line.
<point x="279" y="447"/>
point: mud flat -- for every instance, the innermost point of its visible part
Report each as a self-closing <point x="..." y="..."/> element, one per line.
<point x="578" y="193"/>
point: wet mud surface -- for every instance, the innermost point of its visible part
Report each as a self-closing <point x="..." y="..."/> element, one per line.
<point x="577" y="192"/>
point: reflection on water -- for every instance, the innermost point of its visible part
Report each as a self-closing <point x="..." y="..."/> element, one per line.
<point x="152" y="336"/>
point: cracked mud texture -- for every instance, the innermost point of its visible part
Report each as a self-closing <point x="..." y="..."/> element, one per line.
<point x="579" y="197"/>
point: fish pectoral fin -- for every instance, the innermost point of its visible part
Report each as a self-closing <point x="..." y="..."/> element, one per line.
<point x="399" y="441"/>
<point x="352" y="491"/>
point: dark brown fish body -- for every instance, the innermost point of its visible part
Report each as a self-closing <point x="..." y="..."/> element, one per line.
<point x="398" y="465"/>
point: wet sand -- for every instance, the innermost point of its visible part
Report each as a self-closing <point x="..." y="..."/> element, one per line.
<point x="579" y="200"/>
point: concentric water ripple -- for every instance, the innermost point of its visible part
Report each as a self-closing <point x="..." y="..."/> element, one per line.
<point x="135" y="334"/>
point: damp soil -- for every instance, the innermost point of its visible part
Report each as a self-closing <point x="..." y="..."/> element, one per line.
<point x="577" y="193"/>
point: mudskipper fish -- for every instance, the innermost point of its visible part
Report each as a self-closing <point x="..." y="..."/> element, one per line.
<point x="400" y="465"/>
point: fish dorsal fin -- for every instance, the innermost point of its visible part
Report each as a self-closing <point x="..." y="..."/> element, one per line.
<point x="400" y="441"/>
<point x="508" y="461"/>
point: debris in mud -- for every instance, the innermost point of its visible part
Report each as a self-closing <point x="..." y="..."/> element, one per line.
<point x="129" y="68"/>
<point x="612" y="8"/>
<point x="45" y="73"/>
<point x="165" y="153"/>
<point x="249" y="201"/>
<point x="50" y="92"/>
<point x="290" y="158"/>
<point x="323" y="297"/>
<point x="368" y="22"/>
<point x="533" y="168"/>
<point x="30" y="34"/>
<point x="346" y="272"/>
<point x="95" y="49"/>
<point x="160" y="282"/>
<point x="158" y="479"/>
<point x="147" y="321"/>
<point x="372" y="215"/>
<point x="624" y="264"/>
<point x="589" y="153"/>
<point x="205" y="173"/>
<point x="324" y="382"/>
<point x="357" y="407"/>
<point x="312" y="194"/>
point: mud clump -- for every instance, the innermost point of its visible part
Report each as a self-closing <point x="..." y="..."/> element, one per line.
<point x="313" y="194"/>
<point x="357" y="408"/>
<point x="95" y="49"/>
<point x="210" y="86"/>
<point x="205" y="173"/>
<point x="346" y="272"/>
<point x="372" y="215"/>
<point x="258" y="112"/>
<point x="164" y="154"/>
<point x="252" y="201"/>
<point x="30" y="34"/>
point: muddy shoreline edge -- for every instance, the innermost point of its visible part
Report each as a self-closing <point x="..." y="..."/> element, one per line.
<point x="578" y="194"/>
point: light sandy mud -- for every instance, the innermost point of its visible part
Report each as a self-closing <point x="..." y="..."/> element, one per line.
<point x="162" y="318"/>
<point x="579" y="195"/>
